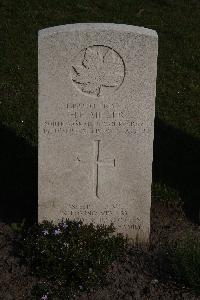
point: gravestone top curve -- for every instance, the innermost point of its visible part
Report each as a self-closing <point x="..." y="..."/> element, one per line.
<point x="98" y="26"/>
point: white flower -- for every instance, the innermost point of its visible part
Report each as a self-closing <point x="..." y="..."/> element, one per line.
<point x="66" y="245"/>
<point x="44" y="297"/>
<point x="45" y="232"/>
<point x="154" y="281"/>
<point x="65" y="225"/>
<point x="57" y="231"/>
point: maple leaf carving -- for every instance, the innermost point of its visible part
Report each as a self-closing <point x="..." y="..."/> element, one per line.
<point x="100" y="67"/>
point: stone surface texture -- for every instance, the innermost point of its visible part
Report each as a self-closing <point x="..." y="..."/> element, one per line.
<point x="97" y="87"/>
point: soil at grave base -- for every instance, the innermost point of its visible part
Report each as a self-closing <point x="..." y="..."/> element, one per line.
<point x="135" y="276"/>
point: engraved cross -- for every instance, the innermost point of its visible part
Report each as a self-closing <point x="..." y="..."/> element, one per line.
<point x="96" y="164"/>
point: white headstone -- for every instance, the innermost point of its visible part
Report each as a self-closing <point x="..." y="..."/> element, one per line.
<point x="97" y="87"/>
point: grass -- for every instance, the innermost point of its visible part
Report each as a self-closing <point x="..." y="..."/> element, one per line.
<point x="184" y="260"/>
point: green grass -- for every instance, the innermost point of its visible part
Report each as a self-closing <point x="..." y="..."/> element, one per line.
<point x="178" y="87"/>
<point x="184" y="260"/>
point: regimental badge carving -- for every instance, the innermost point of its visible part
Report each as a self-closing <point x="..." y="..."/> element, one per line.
<point x="97" y="70"/>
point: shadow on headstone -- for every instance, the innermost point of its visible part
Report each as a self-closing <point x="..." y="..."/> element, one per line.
<point x="18" y="179"/>
<point x="177" y="164"/>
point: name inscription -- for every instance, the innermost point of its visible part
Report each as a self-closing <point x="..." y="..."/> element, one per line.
<point x="88" y="119"/>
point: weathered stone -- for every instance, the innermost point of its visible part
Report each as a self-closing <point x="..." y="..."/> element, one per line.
<point x="97" y="86"/>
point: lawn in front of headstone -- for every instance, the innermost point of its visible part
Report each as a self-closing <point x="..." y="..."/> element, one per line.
<point x="71" y="259"/>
